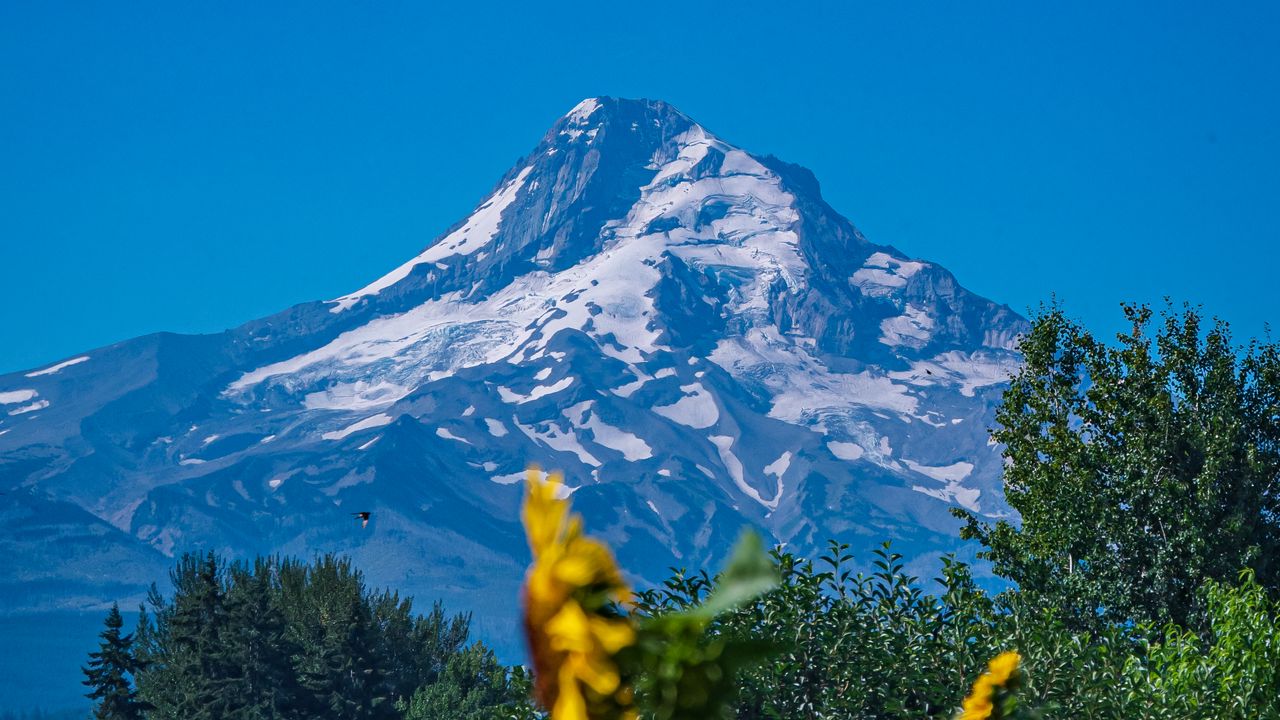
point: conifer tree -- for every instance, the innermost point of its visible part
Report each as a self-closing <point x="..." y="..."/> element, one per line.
<point x="189" y="683"/>
<point x="341" y="666"/>
<point x="110" y="673"/>
<point x="256" y="653"/>
<point x="283" y="640"/>
<point x="472" y="686"/>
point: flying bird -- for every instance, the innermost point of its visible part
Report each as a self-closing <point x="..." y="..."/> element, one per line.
<point x="364" y="518"/>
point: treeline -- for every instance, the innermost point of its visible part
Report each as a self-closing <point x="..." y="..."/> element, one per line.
<point x="881" y="646"/>
<point x="285" y="639"/>
<point x="848" y="646"/>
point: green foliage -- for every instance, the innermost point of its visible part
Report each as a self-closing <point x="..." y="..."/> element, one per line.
<point x="258" y="652"/>
<point x="1139" y="470"/>
<point x="110" y="673"/>
<point x="877" y="646"/>
<point x="839" y="644"/>
<point x="1232" y="671"/>
<point x="851" y="646"/>
<point x="473" y="686"/>
<point x="682" y="671"/>
<point x="281" y="639"/>
<point x="341" y="669"/>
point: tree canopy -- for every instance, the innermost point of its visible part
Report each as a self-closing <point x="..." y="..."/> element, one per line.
<point x="1140" y="469"/>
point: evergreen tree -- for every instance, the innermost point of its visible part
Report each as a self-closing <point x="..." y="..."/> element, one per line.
<point x="189" y="681"/>
<point x="398" y="647"/>
<point x="150" y="648"/>
<point x="437" y="638"/>
<point x="282" y="639"/>
<point x="256" y="652"/>
<point x="340" y="666"/>
<point x="110" y="673"/>
<point x="472" y="686"/>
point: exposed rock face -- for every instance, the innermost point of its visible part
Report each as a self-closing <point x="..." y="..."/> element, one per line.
<point x="689" y="331"/>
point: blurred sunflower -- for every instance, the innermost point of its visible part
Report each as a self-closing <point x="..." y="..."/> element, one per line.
<point x="1001" y="674"/>
<point x="572" y="626"/>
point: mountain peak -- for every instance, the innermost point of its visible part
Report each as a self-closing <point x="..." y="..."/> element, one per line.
<point x="604" y="105"/>
<point x="630" y="118"/>
<point x="684" y="328"/>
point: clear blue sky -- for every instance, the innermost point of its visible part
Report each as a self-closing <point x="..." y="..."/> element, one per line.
<point x="191" y="168"/>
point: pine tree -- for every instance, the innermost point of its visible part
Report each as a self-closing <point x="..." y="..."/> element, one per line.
<point x="256" y="651"/>
<point x="282" y="639"/>
<point x="188" y="684"/>
<point x="472" y="686"/>
<point x="110" y="672"/>
<point x="341" y="666"/>
<point x="438" y="637"/>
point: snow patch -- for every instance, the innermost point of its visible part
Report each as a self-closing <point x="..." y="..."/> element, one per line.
<point x="60" y="366"/>
<point x="846" y="450"/>
<point x="697" y="409"/>
<point x="965" y="497"/>
<point x="16" y="396"/>
<point x="882" y="274"/>
<point x="355" y="396"/>
<point x="629" y="389"/>
<point x="556" y="439"/>
<point x="632" y="447"/>
<point x="562" y="491"/>
<point x="508" y="479"/>
<point x="37" y="405"/>
<point x="803" y="388"/>
<point x="510" y="396"/>
<point x="913" y="328"/>
<point x="370" y="422"/>
<point x="968" y="371"/>
<point x="951" y="477"/>
<point x="496" y="428"/>
<point x="943" y="473"/>
<point x="724" y="446"/>
<point x="444" y="433"/>
<point x="583" y="110"/>
<point x="779" y="467"/>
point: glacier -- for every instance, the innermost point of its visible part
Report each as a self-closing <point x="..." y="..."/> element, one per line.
<point x="686" y="329"/>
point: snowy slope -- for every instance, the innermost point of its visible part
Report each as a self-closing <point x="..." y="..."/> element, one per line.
<point x="686" y="329"/>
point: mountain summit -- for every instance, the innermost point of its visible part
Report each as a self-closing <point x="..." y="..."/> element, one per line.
<point x="687" y="330"/>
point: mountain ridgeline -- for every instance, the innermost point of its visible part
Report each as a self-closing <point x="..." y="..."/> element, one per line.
<point x="687" y="330"/>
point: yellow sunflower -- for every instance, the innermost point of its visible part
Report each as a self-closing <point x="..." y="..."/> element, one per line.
<point x="1001" y="672"/>
<point x="573" y="634"/>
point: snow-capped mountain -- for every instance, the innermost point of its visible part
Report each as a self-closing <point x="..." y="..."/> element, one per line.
<point x="687" y="330"/>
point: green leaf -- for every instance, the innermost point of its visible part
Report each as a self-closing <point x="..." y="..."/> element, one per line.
<point x="749" y="574"/>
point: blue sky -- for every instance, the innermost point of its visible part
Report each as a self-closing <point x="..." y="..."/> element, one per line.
<point x="187" y="169"/>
